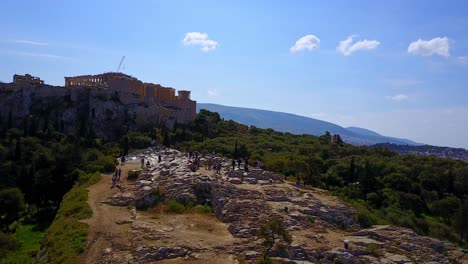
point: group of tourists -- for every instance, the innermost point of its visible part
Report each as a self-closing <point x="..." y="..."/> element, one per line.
<point x="239" y="162"/>
<point x="217" y="166"/>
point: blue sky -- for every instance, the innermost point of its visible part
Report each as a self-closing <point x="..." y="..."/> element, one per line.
<point x="396" y="67"/>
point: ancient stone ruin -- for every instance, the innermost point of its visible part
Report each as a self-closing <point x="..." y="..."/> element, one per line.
<point x="110" y="103"/>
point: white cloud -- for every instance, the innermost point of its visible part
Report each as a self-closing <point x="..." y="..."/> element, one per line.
<point x="213" y="93"/>
<point x="307" y="42"/>
<point x="30" y="42"/>
<point x="200" y="39"/>
<point x="435" y="46"/>
<point x="346" y="47"/>
<point x="398" y="97"/>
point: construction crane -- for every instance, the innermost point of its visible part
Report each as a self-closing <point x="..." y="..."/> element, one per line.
<point x="120" y="64"/>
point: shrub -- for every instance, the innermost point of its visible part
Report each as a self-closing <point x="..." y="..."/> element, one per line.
<point x="108" y="164"/>
<point x="7" y="244"/>
<point x="364" y="220"/>
<point x="374" y="250"/>
<point x="14" y="258"/>
<point x="271" y="233"/>
<point x="202" y="209"/>
<point x="11" y="205"/>
<point x="311" y="218"/>
<point x="264" y="260"/>
<point x="133" y="175"/>
<point x="66" y="236"/>
<point x="175" y="207"/>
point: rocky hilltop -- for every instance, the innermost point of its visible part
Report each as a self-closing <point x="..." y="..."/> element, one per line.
<point x="241" y="202"/>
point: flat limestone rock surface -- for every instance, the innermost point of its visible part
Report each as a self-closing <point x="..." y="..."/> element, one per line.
<point x="241" y="202"/>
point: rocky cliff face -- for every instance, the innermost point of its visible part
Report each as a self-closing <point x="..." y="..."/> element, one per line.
<point x="74" y="111"/>
<point x="318" y="222"/>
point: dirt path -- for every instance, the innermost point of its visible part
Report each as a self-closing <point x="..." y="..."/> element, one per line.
<point x="162" y="229"/>
<point x="102" y="223"/>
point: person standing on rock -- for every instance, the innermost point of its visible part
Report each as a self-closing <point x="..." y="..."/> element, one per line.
<point x="233" y="164"/>
<point x="142" y="162"/>
<point x="148" y="164"/>
<point x="246" y="166"/>
<point x="218" y="167"/>
<point x="133" y="213"/>
<point x="119" y="174"/>
<point x="122" y="161"/>
<point x="159" y="158"/>
<point x="239" y="161"/>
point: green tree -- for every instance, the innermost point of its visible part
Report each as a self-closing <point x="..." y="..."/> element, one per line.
<point x="445" y="207"/>
<point x="125" y="145"/>
<point x="326" y="138"/>
<point x="10" y="119"/>
<point x="460" y="221"/>
<point x="11" y="205"/>
<point x="243" y="152"/>
<point x="352" y="171"/>
<point x="461" y="181"/>
<point x="272" y="232"/>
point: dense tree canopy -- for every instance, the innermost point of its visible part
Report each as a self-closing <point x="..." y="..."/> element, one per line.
<point x="423" y="193"/>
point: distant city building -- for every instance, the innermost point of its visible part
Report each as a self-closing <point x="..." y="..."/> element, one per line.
<point x="27" y="80"/>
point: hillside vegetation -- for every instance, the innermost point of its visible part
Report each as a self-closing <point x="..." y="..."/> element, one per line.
<point x="427" y="194"/>
<point x="296" y="124"/>
<point x="40" y="166"/>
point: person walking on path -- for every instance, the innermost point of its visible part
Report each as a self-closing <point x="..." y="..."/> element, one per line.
<point x="114" y="178"/>
<point x="122" y="160"/>
<point x="119" y="174"/>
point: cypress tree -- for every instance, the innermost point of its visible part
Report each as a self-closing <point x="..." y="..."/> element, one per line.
<point x="10" y="119"/>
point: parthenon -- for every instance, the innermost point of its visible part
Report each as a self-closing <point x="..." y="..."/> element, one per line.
<point x="131" y="90"/>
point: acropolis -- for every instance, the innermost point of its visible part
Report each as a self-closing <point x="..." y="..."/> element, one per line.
<point x="131" y="90"/>
<point x="109" y="104"/>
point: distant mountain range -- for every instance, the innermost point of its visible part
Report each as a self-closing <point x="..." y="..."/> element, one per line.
<point x="296" y="124"/>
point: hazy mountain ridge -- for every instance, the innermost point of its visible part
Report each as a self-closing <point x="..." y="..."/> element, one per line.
<point x="296" y="124"/>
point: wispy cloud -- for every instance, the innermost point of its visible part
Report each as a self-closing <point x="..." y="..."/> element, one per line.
<point x="399" y="82"/>
<point x="462" y="60"/>
<point x="307" y="42"/>
<point x="435" y="46"/>
<point x="398" y="97"/>
<point x="213" y="93"/>
<point x="29" y="42"/>
<point x="200" y="39"/>
<point x="347" y="47"/>
<point x="38" y="55"/>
